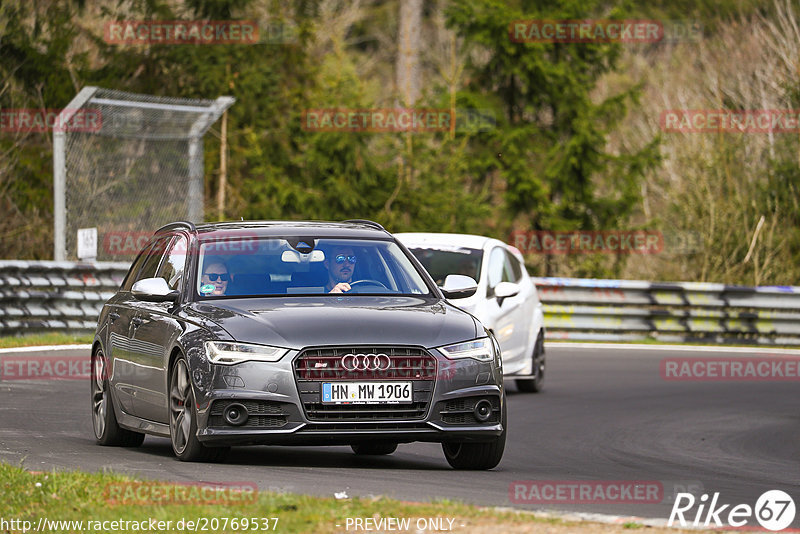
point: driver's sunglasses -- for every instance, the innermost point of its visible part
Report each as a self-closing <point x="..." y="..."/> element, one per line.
<point x="341" y="257"/>
<point x="213" y="277"/>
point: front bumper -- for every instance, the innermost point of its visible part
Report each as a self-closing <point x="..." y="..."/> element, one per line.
<point x="279" y="403"/>
<point x="304" y="434"/>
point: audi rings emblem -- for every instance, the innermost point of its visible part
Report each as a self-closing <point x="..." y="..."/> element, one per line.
<point x="366" y="362"/>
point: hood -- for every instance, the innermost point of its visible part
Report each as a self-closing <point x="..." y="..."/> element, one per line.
<point x="297" y="322"/>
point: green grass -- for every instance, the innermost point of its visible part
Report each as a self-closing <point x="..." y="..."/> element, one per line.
<point x="50" y="338"/>
<point x="83" y="496"/>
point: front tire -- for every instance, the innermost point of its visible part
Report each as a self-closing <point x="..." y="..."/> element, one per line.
<point x="478" y="456"/>
<point x="107" y="431"/>
<point x="183" y="419"/>
<point x="535" y="384"/>
<point x="376" y="448"/>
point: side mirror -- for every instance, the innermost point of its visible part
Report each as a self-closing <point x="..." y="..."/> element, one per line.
<point x="506" y="289"/>
<point x="503" y="290"/>
<point x="154" y="290"/>
<point x="459" y="286"/>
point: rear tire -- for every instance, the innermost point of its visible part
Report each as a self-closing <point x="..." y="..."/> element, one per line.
<point x="478" y="456"/>
<point x="183" y="419"/>
<point x="376" y="448"/>
<point x="535" y="384"/>
<point x="107" y="431"/>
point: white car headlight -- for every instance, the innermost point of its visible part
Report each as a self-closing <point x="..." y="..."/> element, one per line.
<point x="229" y="353"/>
<point x="479" y="349"/>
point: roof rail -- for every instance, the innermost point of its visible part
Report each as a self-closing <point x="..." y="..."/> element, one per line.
<point x="178" y="224"/>
<point x="367" y="222"/>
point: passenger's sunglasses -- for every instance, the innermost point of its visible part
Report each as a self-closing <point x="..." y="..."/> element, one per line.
<point x="213" y="277"/>
<point x="341" y="257"/>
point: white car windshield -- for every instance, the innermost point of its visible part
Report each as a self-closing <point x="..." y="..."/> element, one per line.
<point x="442" y="260"/>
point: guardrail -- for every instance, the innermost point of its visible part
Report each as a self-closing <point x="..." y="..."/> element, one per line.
<point x="55" y="295"/>
<point x="45" y="295"/>
<point x="628" y="310"/>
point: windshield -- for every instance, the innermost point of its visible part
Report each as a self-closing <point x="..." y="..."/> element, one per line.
<point x="440" y="261"/>
<point x="304" y="266"/>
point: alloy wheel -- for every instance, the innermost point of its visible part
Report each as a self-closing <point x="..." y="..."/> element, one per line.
<point x="99" y="395"/>
<point x="180" y="418"/>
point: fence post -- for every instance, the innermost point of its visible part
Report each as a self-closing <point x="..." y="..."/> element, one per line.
<point x="60" y="173"/>
<point x="59" y="202"/>
<point x="195" y="194"/>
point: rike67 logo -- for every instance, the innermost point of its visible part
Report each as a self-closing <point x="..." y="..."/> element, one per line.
<point x="774" y="510"/>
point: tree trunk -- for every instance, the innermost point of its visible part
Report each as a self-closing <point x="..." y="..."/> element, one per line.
<point x="408" y="40"/>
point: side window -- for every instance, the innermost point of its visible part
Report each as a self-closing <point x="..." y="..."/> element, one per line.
<point x="501" y="269"/>
<point x="497" y="269"/>
<point x="515" y="266"/>
<point x="130" y="278"/>
<point x="172" y="268"/>
<point x="154" y="255"/>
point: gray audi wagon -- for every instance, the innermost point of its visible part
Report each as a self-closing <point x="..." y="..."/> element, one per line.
<point x="290" y="333"/>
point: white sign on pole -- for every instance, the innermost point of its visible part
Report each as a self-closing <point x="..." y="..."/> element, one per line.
<point x="87" y="244"/>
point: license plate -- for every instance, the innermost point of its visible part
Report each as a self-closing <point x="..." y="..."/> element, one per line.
<point x="367" y="392"/>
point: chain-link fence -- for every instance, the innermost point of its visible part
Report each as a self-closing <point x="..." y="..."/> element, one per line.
<point x="134" y="165"/>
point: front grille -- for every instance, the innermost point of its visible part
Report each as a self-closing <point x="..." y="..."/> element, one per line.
<point x="460" y="411"/>
<point x="315" y="366"/>
<point x="261" y="414"/>
<point x="407" y="363"/>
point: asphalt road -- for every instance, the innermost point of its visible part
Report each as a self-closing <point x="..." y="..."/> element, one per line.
<point x="605" y="414"/>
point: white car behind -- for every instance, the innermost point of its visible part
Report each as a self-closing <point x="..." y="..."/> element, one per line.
<point x="506" y="301"/>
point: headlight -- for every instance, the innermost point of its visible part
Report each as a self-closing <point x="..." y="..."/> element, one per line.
<point x="228" y="353"/>
<point x="480" y="349"/>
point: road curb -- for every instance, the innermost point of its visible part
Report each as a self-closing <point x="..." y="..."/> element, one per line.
<point x="592" y="517"/>
<point x="45" y="348"/>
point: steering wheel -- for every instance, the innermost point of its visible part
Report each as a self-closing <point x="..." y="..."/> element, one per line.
<point x="368" y="281"/>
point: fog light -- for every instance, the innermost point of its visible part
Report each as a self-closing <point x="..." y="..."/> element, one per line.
<point x="483" y="410"/>
<point x="235" y="414"/>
